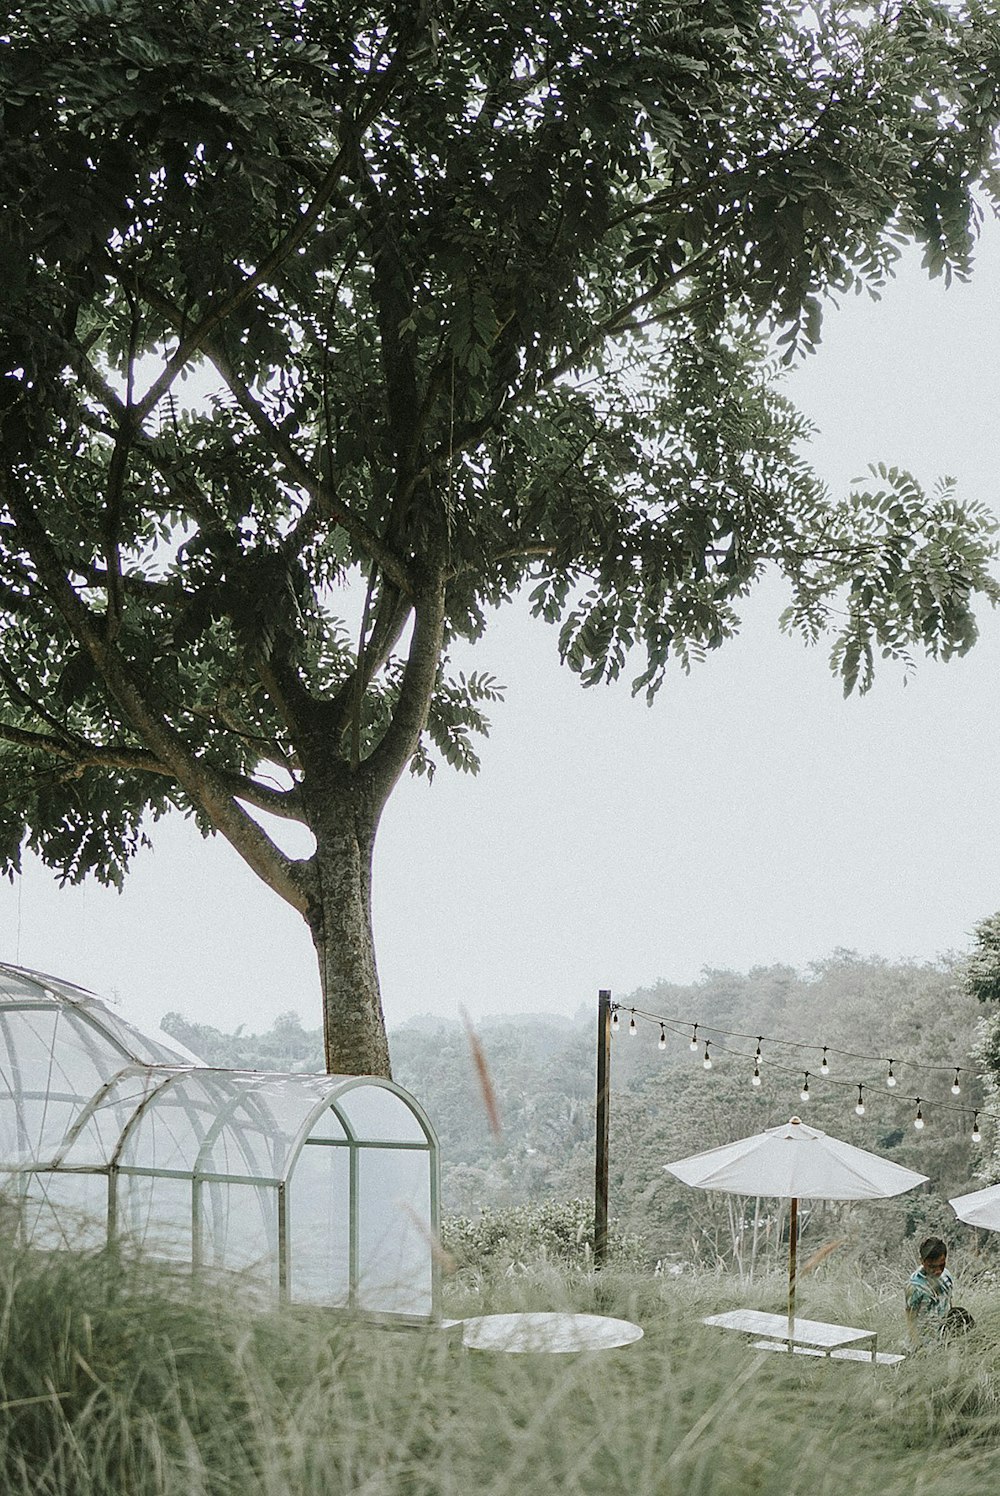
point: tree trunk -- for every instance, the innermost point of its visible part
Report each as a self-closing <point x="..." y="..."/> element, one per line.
<point x="340" y="919"/>
<point x="344" y="803"/>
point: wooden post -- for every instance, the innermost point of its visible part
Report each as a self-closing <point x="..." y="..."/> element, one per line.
<point x="793" y="1245"/>
<point x="603" y="1113"/>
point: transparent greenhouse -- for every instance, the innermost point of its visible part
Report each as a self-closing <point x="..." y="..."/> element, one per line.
<point x="322" y="1189"/>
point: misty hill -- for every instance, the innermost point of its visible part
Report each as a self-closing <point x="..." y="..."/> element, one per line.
<point x="665" y="1104"/>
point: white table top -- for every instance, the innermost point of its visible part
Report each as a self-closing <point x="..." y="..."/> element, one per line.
<point x="559" y="1333"/>
<point x="804" y="1331"/>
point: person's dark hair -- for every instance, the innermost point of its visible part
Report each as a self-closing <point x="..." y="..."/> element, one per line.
<point x="957" y="1321"/>
<point x="932" y="1247"/>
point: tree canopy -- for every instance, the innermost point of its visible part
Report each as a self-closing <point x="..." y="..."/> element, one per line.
<point x="329" y="326"/>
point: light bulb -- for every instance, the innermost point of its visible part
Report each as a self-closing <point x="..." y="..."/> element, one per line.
<point x="755" y="1080"/>
<point x="824" y="1068"/>
<point x="890" y="1079"/>
<point x="918" y="1120"/>
<point x="614" y="1022"/>
<point x="956" y="1088"/>
<point x="758" y="1056"/>
<point x="693" y="1046"/>
<point x="860" y="1107"/>
<point x="804" y="1093"/>
<point x="663" y="1037"/>
<point x="631" y="1025"/>
<point x="976" y="1134"/>
<point x="707" y="1061"/>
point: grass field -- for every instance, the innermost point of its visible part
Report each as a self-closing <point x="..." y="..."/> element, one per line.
<point x="127" y="1383"/>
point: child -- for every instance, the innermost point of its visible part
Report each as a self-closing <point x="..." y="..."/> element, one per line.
<point x="928" y="1293"/>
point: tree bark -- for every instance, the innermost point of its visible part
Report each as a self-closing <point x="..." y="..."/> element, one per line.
<point x="340" y="920"/>
<point x="344" y="805"/>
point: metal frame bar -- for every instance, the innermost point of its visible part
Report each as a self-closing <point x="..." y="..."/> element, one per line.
<point x="353" y="1229"/>
<point x="284" y="1283"/>
<point x="157" y="1086"/>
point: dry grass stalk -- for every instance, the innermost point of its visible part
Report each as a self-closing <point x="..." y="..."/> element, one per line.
<point x="486" y="1088"/>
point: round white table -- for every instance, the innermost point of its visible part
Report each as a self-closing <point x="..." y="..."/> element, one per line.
<point x="547" y="1333"/>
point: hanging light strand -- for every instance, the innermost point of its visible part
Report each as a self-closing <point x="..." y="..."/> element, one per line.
<point x="714" y="1046"/>
<point x="696" y="1039"/>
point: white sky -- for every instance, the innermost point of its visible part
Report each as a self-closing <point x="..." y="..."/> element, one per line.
<point x="750" y="816"/>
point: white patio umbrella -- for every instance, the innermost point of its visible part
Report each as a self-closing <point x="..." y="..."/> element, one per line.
<point x="981" y="1208"/>
<point x="795" y="1162"/>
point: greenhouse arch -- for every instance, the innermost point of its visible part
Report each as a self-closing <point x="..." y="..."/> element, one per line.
<point x="321" y="1189"/>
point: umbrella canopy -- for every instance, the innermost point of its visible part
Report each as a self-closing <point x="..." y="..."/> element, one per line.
<point x="796" y="1162"/>
<point x="981" y="1208"/>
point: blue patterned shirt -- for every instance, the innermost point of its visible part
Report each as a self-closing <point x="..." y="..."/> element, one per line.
<point x="928" y="1301"/>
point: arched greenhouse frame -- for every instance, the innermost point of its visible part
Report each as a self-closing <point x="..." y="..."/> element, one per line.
<point x="320" y="1189"/>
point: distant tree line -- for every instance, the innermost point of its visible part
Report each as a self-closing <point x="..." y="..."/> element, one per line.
<point x="666" y="1105"/>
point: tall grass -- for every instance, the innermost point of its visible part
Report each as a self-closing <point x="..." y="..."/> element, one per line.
<point x="127" y="1381"/>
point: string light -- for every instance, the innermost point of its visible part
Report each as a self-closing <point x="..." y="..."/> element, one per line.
<point x="891" y="1080"/>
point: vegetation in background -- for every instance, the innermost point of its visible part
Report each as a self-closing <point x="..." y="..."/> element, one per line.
<point x="982" y="981"/>
<point x="328" y="326"/>
<point x="522" y="1237"/>
<point x="665" y="1106"/>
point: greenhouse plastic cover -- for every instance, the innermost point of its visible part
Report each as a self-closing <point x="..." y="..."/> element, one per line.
<point x="325" y="1186"/>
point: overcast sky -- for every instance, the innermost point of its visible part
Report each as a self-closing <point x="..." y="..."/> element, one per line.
<point x="750" y="816"/>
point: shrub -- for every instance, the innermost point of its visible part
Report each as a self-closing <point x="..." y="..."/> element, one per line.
<point x="522" y="1236"/>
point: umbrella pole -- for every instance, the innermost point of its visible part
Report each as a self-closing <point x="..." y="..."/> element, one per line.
<point x="793" y="1242"/>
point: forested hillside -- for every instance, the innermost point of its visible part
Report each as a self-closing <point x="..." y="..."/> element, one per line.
<point x="665" y="1104"/>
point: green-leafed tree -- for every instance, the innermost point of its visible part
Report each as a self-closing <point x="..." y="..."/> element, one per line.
<point x="982" y="967"/>
<point x="316" y="312"/>
<point x="982" y="981"/>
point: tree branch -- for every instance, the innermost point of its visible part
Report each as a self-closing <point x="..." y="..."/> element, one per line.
<point x="398" y="744"/>
<point x="81" y="756"/>
<point x="355" y="127"/>
<point x="329" y="506"/>
<point x="205" y="786"/>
